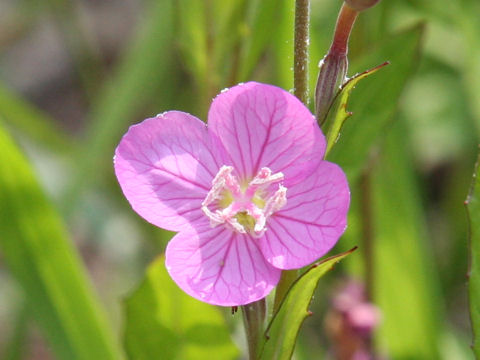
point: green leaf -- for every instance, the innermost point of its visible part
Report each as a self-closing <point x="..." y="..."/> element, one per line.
<point x="162" y="322"/>
<point x="39" y="254"/>
<point x="263" y="28"/>
<point x="193" y="37"/>
<point x="17" y="344"/>
<point x="32" y="122"/>
<point x="375" y="101"/>
<point x="405" y="281"/>
<point x="281" y="333"/>
<point x="473" y="211"/>
<point x="142" y="71"/>
<point x="338" y="112"/>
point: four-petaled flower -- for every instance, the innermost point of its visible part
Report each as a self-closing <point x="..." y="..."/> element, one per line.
<point x="249" y="193"/>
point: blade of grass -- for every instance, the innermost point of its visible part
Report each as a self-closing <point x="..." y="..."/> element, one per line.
<point x="473" y="211"/>
<point x="263" y="27"/>
<point x="16" y="347"/>
<point x="39" y="254"/>
<point x="406" y="285"/>
<point x="32" y="122"/>
<point x="143" y="70"/>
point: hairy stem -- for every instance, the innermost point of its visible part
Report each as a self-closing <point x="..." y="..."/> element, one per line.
<point x="300" y="58"/>
<point x="300" y="83"/>
<point x="254" y="320"/>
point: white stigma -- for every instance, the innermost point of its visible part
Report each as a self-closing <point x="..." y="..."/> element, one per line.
<point x="244" y="210"/>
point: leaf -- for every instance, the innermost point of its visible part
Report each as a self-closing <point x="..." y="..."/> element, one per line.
<point x="338" y="113"/>
<point x="30" y="121"/>
<point x="193" y="38"/>
<point x="473" y="211"/>
<point x="405" y="282"/>
<point x="17" y="345"/>
<point x="39" y="254"/>
<point x="162" y="322"/>
<point x="281" y="333"/>
<point x="143" y="70"/>
<point x="263" y="28"/>
<point x="375" y="102"/>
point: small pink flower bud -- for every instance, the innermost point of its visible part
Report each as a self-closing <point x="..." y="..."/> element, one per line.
<point x="360" y="5"/>
<point x="333" y="72"/>
<point x="333" y="68"/>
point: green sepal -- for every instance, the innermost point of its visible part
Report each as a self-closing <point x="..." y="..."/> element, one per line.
<point x="338" y="112"/>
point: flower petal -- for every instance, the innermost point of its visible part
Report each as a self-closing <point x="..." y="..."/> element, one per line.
<point x="165" y="167"/>
<point x="220" y="267"/>
<point x="262" y="125"/>
<point x="311" y="222"/>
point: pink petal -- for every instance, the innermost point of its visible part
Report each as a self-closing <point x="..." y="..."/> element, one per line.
<point x="264" y="126"/>
<point x="165" y="167"/>
<point x="311" y="222"/>
<point x="220" y="267"/>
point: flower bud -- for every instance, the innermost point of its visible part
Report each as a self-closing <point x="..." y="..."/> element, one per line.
<point x="334" y="66"/>
<point x="360" y="5"/>
<point x="332" y="75"/>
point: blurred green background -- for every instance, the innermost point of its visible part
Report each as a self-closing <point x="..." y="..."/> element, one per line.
<point x="75" y="74"/>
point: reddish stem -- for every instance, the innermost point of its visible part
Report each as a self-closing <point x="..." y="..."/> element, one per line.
<point x="346" y="19"/>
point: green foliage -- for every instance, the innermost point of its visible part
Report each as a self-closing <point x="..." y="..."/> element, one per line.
<point x="375" y="101"/>
<point x="162" y="322"/>
<point x="281" y="334"/>
<point x="338" y="112"/>
<point x="136" y="81"/>
<point x="473" y="208"/>
<point x="32" y="122"/>
<point x="39" y="254"/>
<point x="405" y="282"/>
<point x="180" y="55"/>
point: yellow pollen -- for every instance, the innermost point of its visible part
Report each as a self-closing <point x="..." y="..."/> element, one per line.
<point x="258" y="200"/>
<point x="245" y="220"/>
<point x="226" y="199"/>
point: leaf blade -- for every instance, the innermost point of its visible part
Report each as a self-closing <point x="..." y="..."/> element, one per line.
<point x="39" y="254"/>
<point x="338" y="113"/>
<point x="281" y="334"/>
<point x="162" y="322"/>
<point x="473" y="213"/>
<point x="374" y="107"/>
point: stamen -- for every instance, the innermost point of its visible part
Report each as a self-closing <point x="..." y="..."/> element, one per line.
<point x="247" y="210"/>
<point x="276" y="202"/>
<point x="263" y="179"/>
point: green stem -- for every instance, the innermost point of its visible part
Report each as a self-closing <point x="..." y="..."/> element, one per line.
<point x="288" y="277"/>
<point x="300" y="58"/>
<point x="300" y="83"/>
<point x="367" y="230"/>
<point x="254" y="320"/>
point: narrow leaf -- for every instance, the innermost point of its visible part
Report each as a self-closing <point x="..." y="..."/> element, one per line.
<point x="338" y="112"/>
<point x="375" y="104"/>
<point x="263" y="27"/>
<point x="32" y="122"/>
<point x="38" y="252"/>
<point x="405" y="284"/>
<point x="281" y="334"/>
<point x="140" y="73"/>
<point x="162" y="322"/>
<point x="473" y="210"/>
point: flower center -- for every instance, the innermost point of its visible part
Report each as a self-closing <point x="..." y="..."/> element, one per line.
<point x="244" y="208"/>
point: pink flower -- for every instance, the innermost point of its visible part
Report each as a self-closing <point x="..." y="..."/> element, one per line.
<point x="249" y="194"/>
